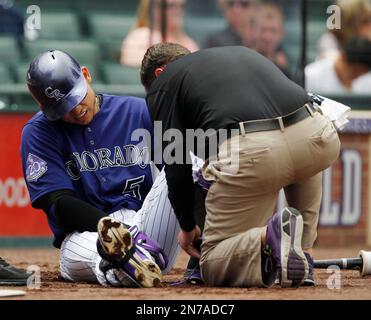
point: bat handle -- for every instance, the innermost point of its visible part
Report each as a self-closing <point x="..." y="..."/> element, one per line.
<point x="347" y="264"/>
<point x="361" y="263"/>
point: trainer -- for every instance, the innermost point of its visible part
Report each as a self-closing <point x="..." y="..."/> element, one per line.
<point x="282" y="142"/>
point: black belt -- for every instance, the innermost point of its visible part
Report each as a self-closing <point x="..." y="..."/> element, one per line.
<point x="279" y="123"/>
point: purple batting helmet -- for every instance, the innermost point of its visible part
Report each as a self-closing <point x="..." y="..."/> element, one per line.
<point x="56" y="82"/>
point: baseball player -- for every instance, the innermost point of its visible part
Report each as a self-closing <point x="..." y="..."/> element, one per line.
<point x="82" y="166"/>
<point x="277" y="139"/>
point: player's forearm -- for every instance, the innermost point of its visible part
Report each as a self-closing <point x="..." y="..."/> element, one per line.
<point x="181" y="194"/>
<point x="71" y="213"/>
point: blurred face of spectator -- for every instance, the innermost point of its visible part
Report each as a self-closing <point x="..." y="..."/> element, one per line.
<point x="175" y="14"/>
<point x="365" y="27"/>
<point x="237" y="12"/>
<point x="269" y="31"/>
<point x="355" y="20"/>
<point x="249" y="31"/>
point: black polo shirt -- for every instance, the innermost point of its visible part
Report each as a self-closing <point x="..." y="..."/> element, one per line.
<point x="215" y="89"/>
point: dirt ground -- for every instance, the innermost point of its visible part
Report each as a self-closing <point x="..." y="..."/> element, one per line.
<point x="52" y="287"/>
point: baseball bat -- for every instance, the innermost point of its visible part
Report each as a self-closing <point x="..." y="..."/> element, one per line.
<point x="361" y="263"/>
<point x="344" y="263"/>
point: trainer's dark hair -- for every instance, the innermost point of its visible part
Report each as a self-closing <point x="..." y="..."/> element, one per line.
<point x="358" y="50"/>
<point x="157" y="56"/>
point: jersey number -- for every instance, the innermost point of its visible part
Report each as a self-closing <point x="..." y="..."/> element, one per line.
<point x="132" y="187"/>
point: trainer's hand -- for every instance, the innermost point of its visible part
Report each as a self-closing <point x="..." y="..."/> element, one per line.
<point x="186" y="241"/>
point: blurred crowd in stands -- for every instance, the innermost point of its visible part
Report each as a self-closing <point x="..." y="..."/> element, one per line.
<point x="257" y="26"/>
<point x="343" y="57"/>
<point x="147" y="30"/>
<point x="11" y="19"/>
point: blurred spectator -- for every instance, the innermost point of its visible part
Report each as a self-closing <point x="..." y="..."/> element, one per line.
<point x="239" y="15"/>
<point x="349" y="72"/>
<point x="270" y="33"/>
<point x="355" y="21"/>
<point x="147" y="32"/>
<point x="11" y="19"/>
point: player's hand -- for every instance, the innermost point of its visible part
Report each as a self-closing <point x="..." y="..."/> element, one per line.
<point x="186" y="241"/>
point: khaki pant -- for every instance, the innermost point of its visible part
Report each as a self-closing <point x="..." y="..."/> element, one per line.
<point x="242" y="198"/>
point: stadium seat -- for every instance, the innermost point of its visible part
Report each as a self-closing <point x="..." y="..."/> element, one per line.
<point x="315" y="30"/>
<point x="83" y="6"/>
<point x="21" y="70"/>
<point x="59" y="26"/>
<point x="84" y="52"/>
<point x="105" y="26"/>
<point x="317" y="10"/>
<point x="47" y="5"/>
<point x="293" y="52"/>
<point x="9" y="52"/>
<point x="293" y="33"/>
<point x="292" y="41"/>
<point x="118" y="74"/>
<point x="198" y="28"/>
<point x="126" y="7"/>
<point x="5" y="76"/>
<point x="111" y="49"/>
<point x="21" y="101"/>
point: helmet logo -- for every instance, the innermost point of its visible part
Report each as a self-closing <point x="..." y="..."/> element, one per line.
<point x="54" y="94"/>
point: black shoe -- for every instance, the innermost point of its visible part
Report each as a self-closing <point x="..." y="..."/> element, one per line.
<point x="309" y="281"/>
<point x="268" y="268"/>
<point x="193" y="276"/>
<point x="11" y="276"/>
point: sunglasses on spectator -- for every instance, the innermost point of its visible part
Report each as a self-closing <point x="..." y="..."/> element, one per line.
<point x="242" y="3"/>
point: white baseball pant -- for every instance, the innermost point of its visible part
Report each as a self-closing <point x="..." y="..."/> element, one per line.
<point x="79" y="259"/>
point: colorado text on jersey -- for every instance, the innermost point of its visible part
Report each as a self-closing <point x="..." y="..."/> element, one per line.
<point x="129" y="155"/>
